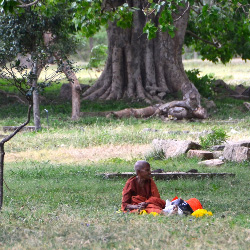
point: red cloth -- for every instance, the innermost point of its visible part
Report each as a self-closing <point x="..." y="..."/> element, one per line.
<point x="194" y="204"/>
<point x="134" y="194"/>
<point x="175" y="198"/>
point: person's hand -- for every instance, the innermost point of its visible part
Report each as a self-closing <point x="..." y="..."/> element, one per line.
<point x="131" y="207"/>
<point x="143" y="205"/>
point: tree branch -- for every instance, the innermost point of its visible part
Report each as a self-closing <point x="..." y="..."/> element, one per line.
<point x="19" y="127"/>
<point x="193" y="9"/>
<point x="23" y="5"/>
<point x="13" y="96"/>
<point x="216" y="45"/>
<point x="241" y="6"/>
<point x="6" y="185"/>
<point x="182" y="13"/>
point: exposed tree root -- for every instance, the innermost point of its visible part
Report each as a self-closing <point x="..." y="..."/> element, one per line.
<point x="175" y="109"/>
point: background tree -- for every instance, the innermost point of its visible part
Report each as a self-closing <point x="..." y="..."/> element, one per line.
<point x="19" y="76"/>
<point x="30" y="32"/>
<point x="16" y="75"/>
<point x="219" y="30"/>
<point x="146" y="40"/>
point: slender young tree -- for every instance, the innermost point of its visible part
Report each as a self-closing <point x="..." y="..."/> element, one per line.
<point x="2" y="151"/>
<point x="30" y="32"/>
<point x="18" y="77"/>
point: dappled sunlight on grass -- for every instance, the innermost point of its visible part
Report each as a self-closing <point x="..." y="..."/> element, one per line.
<point x="235" y="72"/>
<point x="122" y="132"/>
<point x="76" y="155"/>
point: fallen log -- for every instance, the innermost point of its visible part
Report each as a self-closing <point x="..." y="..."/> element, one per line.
<point x="177" y="109"/>
<point x="169" y="175"/>
<point x="13" y="128"/>
<point x="137" y="113"/>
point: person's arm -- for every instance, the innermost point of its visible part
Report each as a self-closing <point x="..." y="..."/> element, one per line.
<point x="126" y="195"/>
<point x="141" y="205"/>
<point x="131" y="207"/>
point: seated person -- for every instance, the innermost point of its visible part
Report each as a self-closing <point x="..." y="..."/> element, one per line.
<point x="140" y="191"/>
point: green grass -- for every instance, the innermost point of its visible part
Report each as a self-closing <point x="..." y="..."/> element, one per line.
<point x="53" y="205"/>
<point x="70" y="207"/>
<point x="235" y="72"/>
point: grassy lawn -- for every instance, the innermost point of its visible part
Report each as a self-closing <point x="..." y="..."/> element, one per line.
<point x="59" y="206"/>
<point x="55" y="199"/>
<point x="235" y="72"/>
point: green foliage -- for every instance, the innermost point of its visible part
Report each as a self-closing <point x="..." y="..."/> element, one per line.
<point x="217" y="29"/>
<point x="124" y="16"/>
<point x="150" y="29"/>
<point x="23" y="32"/>
<point x="155" y="155"/>
<point x="98" y="56"/>
<point x="204" y="84"/>
<point x="222" y="28"/>
<point x="216" y="137"/>
<point x="85" y="44"/>
<point x="88" y="17"/>
<point x="165" y="10"/>
<point x="9" y="5"/>
<point x="166" y="18"/>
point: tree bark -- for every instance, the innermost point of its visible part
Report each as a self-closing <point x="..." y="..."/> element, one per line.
<point x="36" y="105"/>
<point x="75" y="85"/>
<point x="1" y="174"/>
<point x="142" y="69"/>
<point x="70" y="74"/>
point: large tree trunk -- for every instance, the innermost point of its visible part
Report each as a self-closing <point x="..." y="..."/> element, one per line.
<point x="143" y="69"/>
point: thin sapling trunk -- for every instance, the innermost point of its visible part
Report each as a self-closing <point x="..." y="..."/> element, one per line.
<point x="6" y="139"/>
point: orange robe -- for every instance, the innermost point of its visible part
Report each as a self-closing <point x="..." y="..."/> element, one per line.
<point x="134" y="194"/>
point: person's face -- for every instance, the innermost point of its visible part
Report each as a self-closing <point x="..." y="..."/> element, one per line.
<point x="145" y="172"/>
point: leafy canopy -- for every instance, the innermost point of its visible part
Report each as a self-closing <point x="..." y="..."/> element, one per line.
<point x="218" y="29"/>
<point x="22" y="32"/>
<point x="223" y="23"/>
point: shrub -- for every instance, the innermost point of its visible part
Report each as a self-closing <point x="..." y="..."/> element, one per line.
<point x="217" y="136"/>
<point x="204" y="84"/>
<point x="155" y="155"/>
<point x="98" y="56"/>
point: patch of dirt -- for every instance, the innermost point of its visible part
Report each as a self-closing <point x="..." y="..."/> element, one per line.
<point x="76" y="155"/>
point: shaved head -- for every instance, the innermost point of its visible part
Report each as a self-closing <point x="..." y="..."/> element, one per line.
<point x="140" y="164"/>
